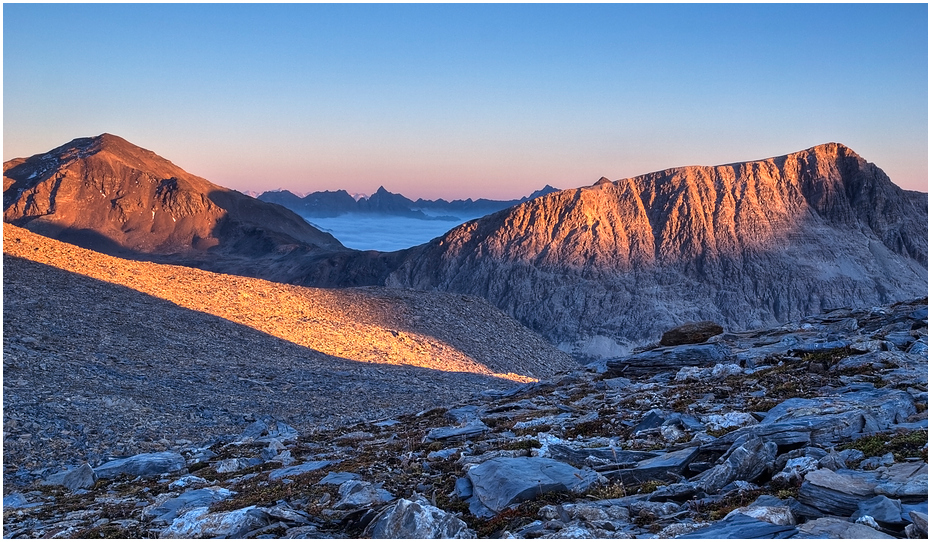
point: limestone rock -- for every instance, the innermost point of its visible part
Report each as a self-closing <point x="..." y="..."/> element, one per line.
<point x="838" y="528"/>
<point x="143" y="465"/>
<point x="498" y="483"/>
<point x="416" y="519"/>
<point x="199" y="523"/>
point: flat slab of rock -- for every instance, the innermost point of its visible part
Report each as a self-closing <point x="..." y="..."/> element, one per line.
<point x="499" y="483"/>
<point x="471" y="429"/>
<point x="143" y="465"/>
<point x="838" y="528"/>
<point x="838" y="493"/>
<point x="296" y="470"/>
<point x="668" y="466"/>
<point x="668" y="359"/>
<point x="199" y="523"/>
<point x="417" y="520"/>
<point x="745" y="462"/>
<point x="743" y="526"/>
<point x="691" y="333"/>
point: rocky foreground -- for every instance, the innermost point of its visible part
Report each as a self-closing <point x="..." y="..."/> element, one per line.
<point x="812" y="430"/>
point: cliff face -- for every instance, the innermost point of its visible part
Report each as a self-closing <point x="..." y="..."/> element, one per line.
<point x="601" y="268"/>
<point x="106" y="193"/>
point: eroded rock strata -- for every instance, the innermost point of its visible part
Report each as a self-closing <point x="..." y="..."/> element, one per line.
<point x="610" y="266"/>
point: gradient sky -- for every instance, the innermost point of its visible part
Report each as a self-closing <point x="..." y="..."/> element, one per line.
<point x="460" y="101"/>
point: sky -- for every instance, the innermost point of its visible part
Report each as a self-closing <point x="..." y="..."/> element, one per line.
<point x="465" y="100"/>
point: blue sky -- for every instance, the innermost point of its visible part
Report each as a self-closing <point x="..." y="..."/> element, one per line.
<point x="467" y="100"/>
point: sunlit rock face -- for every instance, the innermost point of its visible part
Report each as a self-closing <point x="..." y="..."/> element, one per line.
<point x="744" y="245"/>
<point x="106" y="194"/>
<point x="107" y="188"/>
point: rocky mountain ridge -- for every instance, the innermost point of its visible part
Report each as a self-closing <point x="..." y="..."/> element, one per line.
<point x="604" y="268"/>
<point x="815" y="429"/>
<point x="339" y="202"/>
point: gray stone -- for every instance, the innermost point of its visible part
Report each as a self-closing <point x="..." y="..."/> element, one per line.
<point x="267" y="430"/>
<point x="832" y="419"/>
<point x="839" y="493"/>
<point x="498" y="483"/>
<point x="170" y="509"/>
<point x="907" y="481"/>
<point x="463" y="415"/>
<point x="901" y="339"/>
<point x="199" y="523"/>
<point x="472" y="429"/>
<point x="82" y="477"/>
<point x="463" y="488"/>
<point x="920" y="520"/>
<point x="416" y="520"/>
<point x="357" y="494"/>
<point x="838" y="528"/>
<point x="841" y="460"/>
<point x="297" y="470"/>
<point x="777" y="515"/>
<point x="598" y="458"/>
<point x="668" y="359"/>
<point x="872" y="463"/>
<point x="744" y="462"/>
<point x="919" y="349"/>
<point x="234" y="464"/>
<point x="743" y="526"/>
<point x="882" y="509"/>
<point x="668" y="466"/>
<point x="338" y="478"/>
<point x="143" y="465"/>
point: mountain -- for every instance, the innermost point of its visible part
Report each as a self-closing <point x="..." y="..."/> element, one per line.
<point x="329" y="204"/>
<point x="603" y="268"/>
<point x="317" y="204"/>
<point x="107" y="194"/>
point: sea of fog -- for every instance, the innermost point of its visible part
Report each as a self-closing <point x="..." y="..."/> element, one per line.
<point x="384" y="233"/>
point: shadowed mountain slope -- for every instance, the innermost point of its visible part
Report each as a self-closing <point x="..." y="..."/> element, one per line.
<point x="601" y="268"/>
<point x="433" y="330"/>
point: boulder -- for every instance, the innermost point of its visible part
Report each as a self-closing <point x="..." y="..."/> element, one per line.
<point x="838" y="493"/>
<point x="143" y="465"/>
<point x="358" y="494"/>
<point x="501" y="482"/>
<point x="882" y="509"/>
<point x="838" y="528"/>
<point x="416" y="520"/>
<point x="199" y="523"/>
<point x="691" y="333"/>
<point x="82" y="477"/>
<point x="668" y="466"/>
<point x="744" y="462"/>
<point x="165" y="512"/>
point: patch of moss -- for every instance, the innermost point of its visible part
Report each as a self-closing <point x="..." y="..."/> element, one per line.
<point x="903" y="445"/>
<point x="526" y="444"/>
<point x="594" y="428"/>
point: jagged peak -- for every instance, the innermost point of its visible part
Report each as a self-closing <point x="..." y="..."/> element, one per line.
<point x="601" y="181"/>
